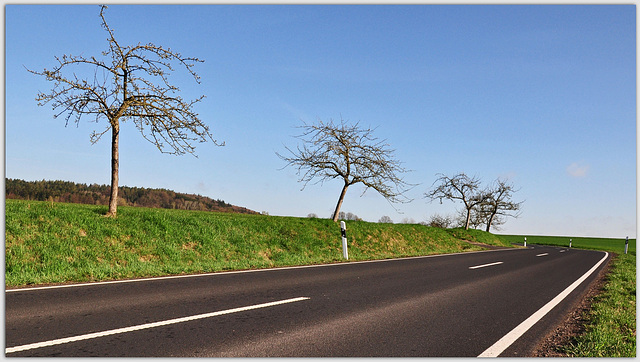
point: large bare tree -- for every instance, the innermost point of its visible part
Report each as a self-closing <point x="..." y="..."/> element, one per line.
<point x="127" y="83"/>
<point x="499" y="204"/>
<point x="350" y="153"/>
<point x="459" y="187"/>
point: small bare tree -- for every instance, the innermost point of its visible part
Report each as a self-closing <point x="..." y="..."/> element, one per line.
<point x="128" y="83"/>
<point x="439" y="221"/>
<point x="350" y="153"/>
<point x="459" y="187"/>
<point x="499" y="205"/>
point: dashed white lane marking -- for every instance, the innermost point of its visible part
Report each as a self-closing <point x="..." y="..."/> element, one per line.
<point x="147" y="326"/>
<point x="543" y="254"/>
<point x="504" y="342"/>
<point x="485" y="265"/>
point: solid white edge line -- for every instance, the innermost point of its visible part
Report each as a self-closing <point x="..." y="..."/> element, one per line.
<point x="147" y="326"/>
<point x="504" y="342"/>
<point x="485" y="265"/>
<point x="240" y="271"/>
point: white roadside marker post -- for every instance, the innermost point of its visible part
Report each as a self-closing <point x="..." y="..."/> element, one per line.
<point x="626" y="245"/>
<point x="525" y="242"/>
<point x="570" y="240"/>
<point x="343" y="228"/>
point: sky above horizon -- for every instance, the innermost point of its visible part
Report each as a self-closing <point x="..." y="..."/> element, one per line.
<point x="541" y="95"/>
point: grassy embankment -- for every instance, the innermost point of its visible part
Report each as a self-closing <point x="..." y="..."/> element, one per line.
<point x="611" y="327"/>
<point x="56" y="242"/>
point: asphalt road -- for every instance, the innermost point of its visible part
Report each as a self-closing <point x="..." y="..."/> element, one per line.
<point x="452" y="305"/>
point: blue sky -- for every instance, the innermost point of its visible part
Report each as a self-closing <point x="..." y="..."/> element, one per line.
<point x="544" y="95"/>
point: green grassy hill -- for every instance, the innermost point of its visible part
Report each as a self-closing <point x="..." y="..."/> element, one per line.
<point x="50" y="242"/>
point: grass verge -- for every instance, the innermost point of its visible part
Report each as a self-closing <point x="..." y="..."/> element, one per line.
<point x="56" y="242"/>
<point x="610" y="330"/>
<point x="611" y="327"/>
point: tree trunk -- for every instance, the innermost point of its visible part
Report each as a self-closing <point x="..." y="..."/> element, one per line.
<point x="113" y="200"/>
<point x="344" y="191"/>
<point x="490" y="221"/>
<point x="466" y="224"/>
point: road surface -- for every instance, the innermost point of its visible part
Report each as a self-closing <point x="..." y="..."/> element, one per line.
<point x="492" y="303"/>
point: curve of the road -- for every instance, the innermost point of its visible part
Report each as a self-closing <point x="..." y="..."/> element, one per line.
<point x="493" y="303"/>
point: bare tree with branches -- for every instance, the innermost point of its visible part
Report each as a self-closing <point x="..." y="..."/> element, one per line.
<point x="459" y="187"/>
<point x="350" y="153"/>
<point x="127" y="83"/>
<point x="499" y="205"/>
<point x="439" y="221"/>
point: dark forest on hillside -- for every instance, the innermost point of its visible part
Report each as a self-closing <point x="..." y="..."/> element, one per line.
<point x="65" y="191"/>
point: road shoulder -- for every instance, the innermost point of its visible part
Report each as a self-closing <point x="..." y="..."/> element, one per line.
<point x="574" y="323"/>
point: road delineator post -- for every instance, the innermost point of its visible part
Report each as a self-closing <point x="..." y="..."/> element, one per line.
<point x="626" y="245"/>
<point x="525" y="242"/>
<point x="343" y="229"/>
<point x="570" y="240"/>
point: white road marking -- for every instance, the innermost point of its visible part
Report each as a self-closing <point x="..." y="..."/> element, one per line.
<point x="562" y="251"/>
<point x="147" y="326"/>
<point x="504" y="342"/>
<point x="241" y="271"/>
<point x="543" y="254"/>
<point x="485" y="265"/>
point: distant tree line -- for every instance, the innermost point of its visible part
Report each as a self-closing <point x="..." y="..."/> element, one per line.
<point x="347" y="216"/>
<point x="94" y="194"/>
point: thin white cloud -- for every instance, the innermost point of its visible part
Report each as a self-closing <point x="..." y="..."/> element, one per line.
<point x="295" y="112"/>
<point x="578" y="169"/>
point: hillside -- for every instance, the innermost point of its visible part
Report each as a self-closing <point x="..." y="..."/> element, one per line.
<point x="65" y="191"/>
<point x="56" y="242"/>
